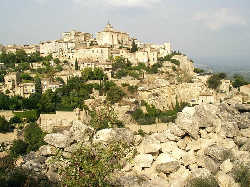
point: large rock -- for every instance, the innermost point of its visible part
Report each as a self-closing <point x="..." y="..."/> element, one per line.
<point x="185" y="122"/>
<point x="58" y="140"/>
<point x="168" y="167"/>
<point x="217" y="153"/>
<point x="110" y="135"/>
<point x="47" y="150"/>
<point x="243" y="107"/>
<point x="81" y="132"/>
<point x="149" y="145"/>
<point x="226" y="166"/>
<point x="225" y="180"/>
<point x="143" y="161"/>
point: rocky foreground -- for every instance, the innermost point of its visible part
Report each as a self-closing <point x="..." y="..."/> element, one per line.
<point x="206" y="140"/>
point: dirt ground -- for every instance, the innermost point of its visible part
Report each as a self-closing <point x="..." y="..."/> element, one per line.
<point x="8" y="137"/>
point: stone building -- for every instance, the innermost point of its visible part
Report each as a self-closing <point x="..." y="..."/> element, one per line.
<point x="25" y="89"/>
<point x="111" y="37"/>
<point x="94" y="53"/>
<point x="76" y="36"/>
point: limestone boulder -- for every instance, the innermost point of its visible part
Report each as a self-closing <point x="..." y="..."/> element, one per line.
<point x="225" y="180"/>
<point x="47" y="150"/>
<point x="58" y="140"/>
<point x="143" y="160"/>
<point x="149" y="145"/>
<point x="81" y="132"/>
<point x="226" y="166"/>
<point x="110" y="135"/>
<point x="217" y="153"/>
<point x="168" y="167"/>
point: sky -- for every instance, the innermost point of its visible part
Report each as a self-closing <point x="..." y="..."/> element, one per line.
<point x="208" y="31"/>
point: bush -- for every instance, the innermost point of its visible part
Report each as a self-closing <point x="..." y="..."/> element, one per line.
<point x="203" y="182"/>
<point x="33" y="136"/>
<point x="115" y="94"/>
<point x="15" y="120"/>
<point x="29" y="116"/>
<point x="132" y="89"/>
<point x="105" y="118"/>
<point x="214" y="81"/>
<point x="19" y="147"/>
<point x="198" y="70"/>
<point x="241" y="175"/>
<point x="10" y="176"/>
<point x="4" y="125"/>
<point x="93" y="165"/>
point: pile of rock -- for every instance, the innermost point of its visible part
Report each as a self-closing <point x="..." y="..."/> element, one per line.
<point x="205" y="140"/>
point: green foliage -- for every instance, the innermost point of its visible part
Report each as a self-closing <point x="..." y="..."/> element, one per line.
<point x="33" y="136"/>
<point x="215" y="80"/>
<point x="15" y="120"/>
<point x="241" y="175"/>
<point x="198" y="70"/>
<point x="115" y="94"/>
<point x="134" y="47"/>
<point x="153" y="114"/>
<point x="105" y="118"/>
<point x="96" y="74"/>
<point x="11" y="176"/>
<point x="38" y="85"/>
<point x="239" y="81"/>
<point x="203" y="182"/>
<point x="21" y="58"/>
<point x="76" y="65"/>
<point x="141" y="132"/>
<point x="93" y="165"/>
<point x="169" y="58"/>
<point x="26" y="76"/>
<point x="29" y="115"/>
<point x="4" y="125"/>
<point x="19" y="147"/>
<point x="132" y="89"/>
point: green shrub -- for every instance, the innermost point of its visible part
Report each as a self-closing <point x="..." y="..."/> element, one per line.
<point x="203" y="182"/>
<point x="11" y="176"/>
<point x="198" y="70"/>
<point x="4" y="125"/>
<point x="33" y="136"/>
<point x="141" y="132"/>
<point x="19" y="147"/>
<point x="29" y="115"/>
<point x="241" y="175"/>
<point x="15" y="120"/>
<point x="115" y="94"/>
<point x="132" y="89"/>
<point x="215" y="80"/>
<point x="105" y="118"/>
<point x="93" y="165"/>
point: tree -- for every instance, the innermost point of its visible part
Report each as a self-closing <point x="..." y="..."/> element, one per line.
<point x="76" y="65"/>
<point x="238" y="81"/>
<point x="134" y="47"/>
<point x="33" y="136"/>
<point x="4" y="125"/>
<point x="38" y="85"/>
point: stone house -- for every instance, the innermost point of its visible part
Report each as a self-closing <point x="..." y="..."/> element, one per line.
<point x="25" y="89"/>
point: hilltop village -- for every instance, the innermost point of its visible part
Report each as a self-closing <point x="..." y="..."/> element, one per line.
<point x="143" y="107"/>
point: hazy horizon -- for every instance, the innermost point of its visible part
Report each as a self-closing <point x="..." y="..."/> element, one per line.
<point x="214" y="32"/>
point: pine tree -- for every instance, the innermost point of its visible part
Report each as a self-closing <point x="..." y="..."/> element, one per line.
<point x="76" y="65"/>
<point x="134" y="47"/>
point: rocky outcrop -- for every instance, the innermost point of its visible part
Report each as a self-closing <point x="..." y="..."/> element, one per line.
<point x="205" y="140"/>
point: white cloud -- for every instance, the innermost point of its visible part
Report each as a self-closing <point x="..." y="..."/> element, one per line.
<point x="120" y="3"/>
<point x="221" y="18"/>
